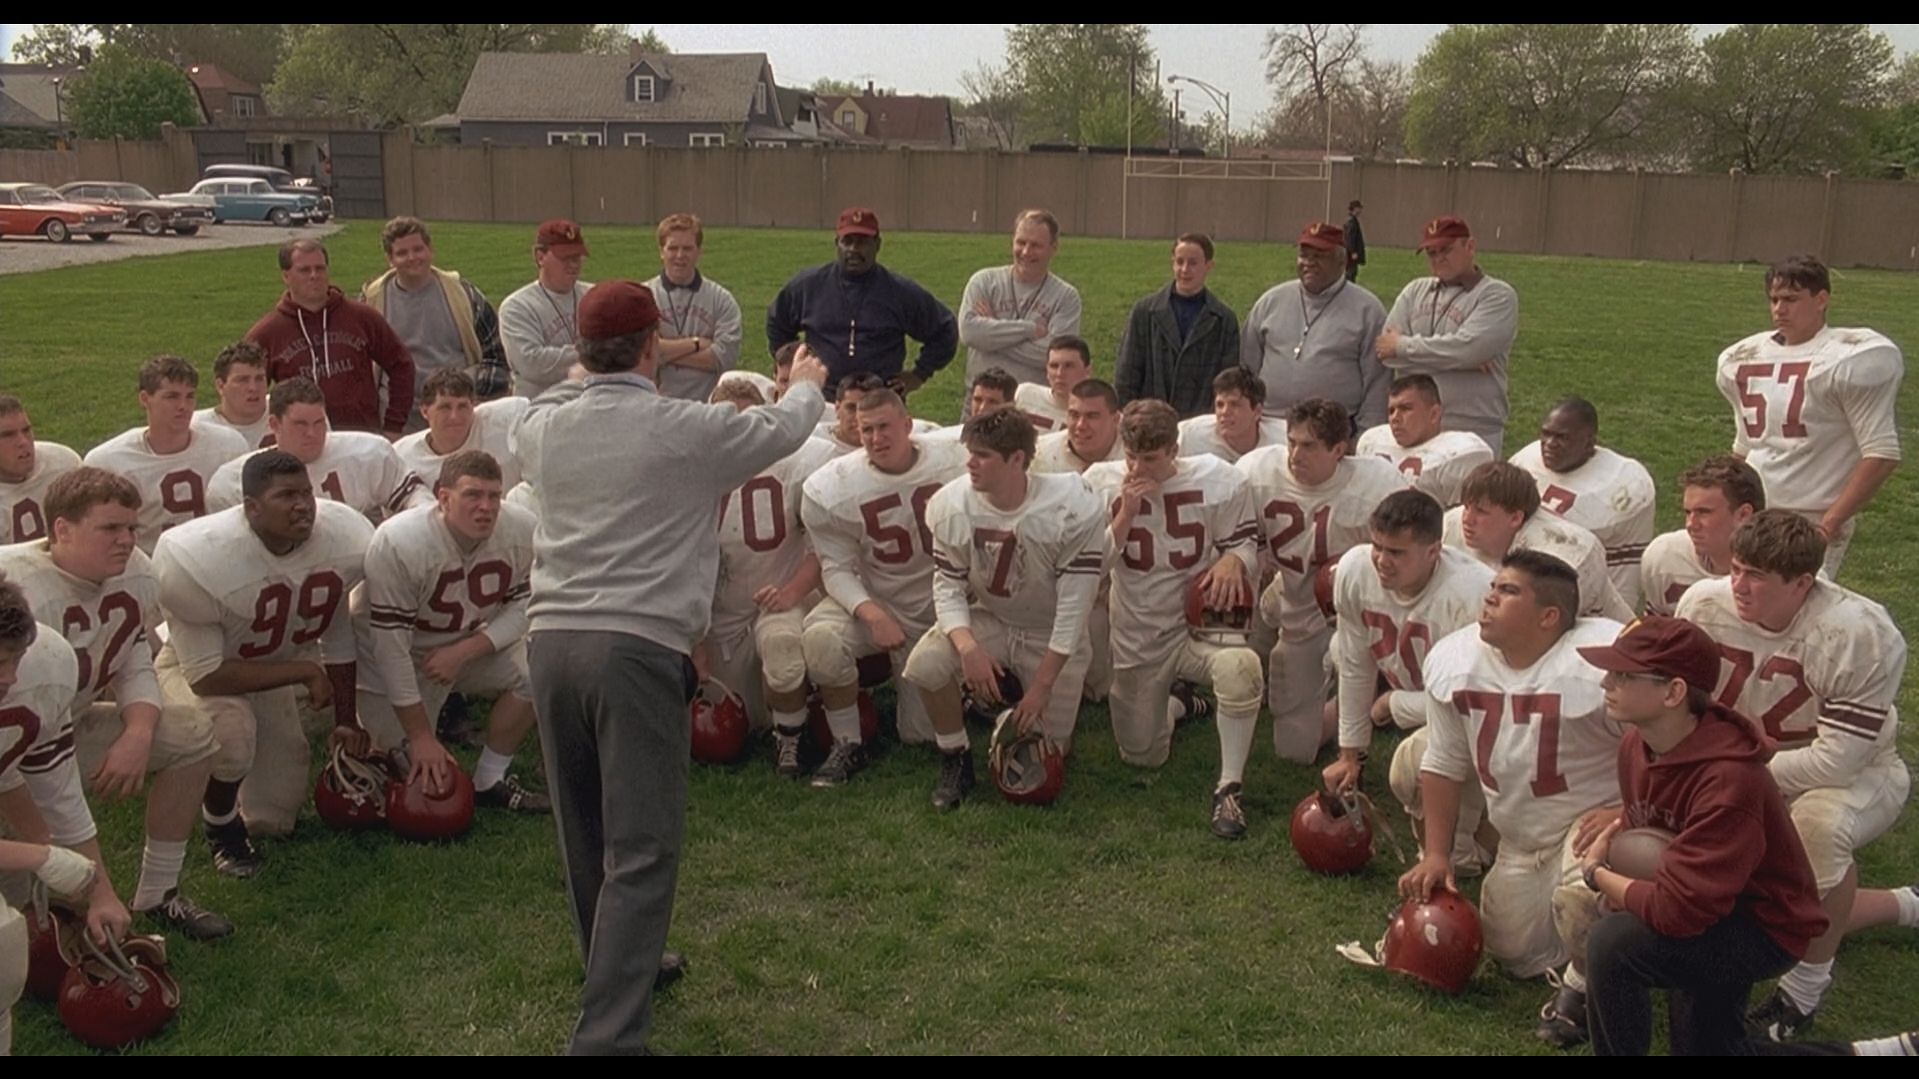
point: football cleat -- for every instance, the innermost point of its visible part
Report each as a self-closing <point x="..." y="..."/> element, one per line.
<point x="509" y="795"/>
<point x="956" y="778"/>
<point x="1562" y="1020"/>
<point x="1229" y="817"/>
<point x="234" y="854"/>
<point x="841" y="764"/>
<point x="190" y="919"/>
<point x="1777" y="1019"/>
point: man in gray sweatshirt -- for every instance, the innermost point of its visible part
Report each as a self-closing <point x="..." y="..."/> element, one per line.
<point x="625" y="563"/>
<point x="1009" y="313"/>
<point x="1457" y="326"/>
<point x="1314" y="337"/>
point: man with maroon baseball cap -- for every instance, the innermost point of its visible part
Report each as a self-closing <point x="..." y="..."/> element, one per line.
<point x="1313" y="337"/>
<point x="540" y="323"/>
<point x="856" y="315"/>
<point x="1734" y="900"/>
<point x="623" y="578"/>
<point x="1458" y="326"/>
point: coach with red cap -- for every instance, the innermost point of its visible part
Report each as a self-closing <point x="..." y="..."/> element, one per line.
<point x="856" y="315"/>
<point x="623" y="577"/>
<point x="1457" y="326"/>
<point x="1313" y="337"/>
<point x="1732" y="900"/>
<point x="540" y="323"/>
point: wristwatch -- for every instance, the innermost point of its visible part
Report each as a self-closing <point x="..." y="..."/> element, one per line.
<point x="1591" y="875"/>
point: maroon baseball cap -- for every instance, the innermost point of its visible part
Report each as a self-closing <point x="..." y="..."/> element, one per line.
<point x="1323" y="236"/>
<point x="562" y="237"/>
<point x="858" y="221"/>
<point x="1669" y="647"/>
<point x="616" y="308"/>
<point x="1441" y="229"/>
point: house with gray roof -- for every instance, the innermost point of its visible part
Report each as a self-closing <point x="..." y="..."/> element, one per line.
<point x="635" y="98"/>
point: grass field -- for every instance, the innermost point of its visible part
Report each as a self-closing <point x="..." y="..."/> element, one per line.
<point x="859" y="921"/>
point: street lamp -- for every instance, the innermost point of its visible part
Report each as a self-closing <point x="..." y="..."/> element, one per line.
<point x="1222" y="98"/>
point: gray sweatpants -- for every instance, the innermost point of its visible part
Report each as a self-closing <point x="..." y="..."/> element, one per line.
<point x="613" y="726"/>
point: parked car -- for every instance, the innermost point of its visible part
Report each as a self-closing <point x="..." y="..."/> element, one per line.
<point x="255" y="200"/>
<point x="145" y="211"/>
<point x="282" y="181"/>
<point x="39" y="210"/>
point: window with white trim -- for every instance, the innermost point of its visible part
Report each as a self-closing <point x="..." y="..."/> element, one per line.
<point x="706" y="139"/>
<point x="759" y="97"/>
<point x="243" y="105"/>
<point x="573" y="138"/>
<point x="642" y="87"/>
<point x="848" y="117"/>
<point x="635" y="138"/>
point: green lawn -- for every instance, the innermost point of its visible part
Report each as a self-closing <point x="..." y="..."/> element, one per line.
<point x="859" y="921"/>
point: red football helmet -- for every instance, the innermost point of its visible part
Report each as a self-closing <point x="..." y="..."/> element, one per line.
<point x="53" y="937"/>
<point x="351" y="791"/>
<point x="822" y="734"/>
<point x="114" y="997"/>
<point x="1028" y="769"/>
<point x="1230" y="627"/>
<point x="1437" y="941"/>
<point x="875" y="670"/>
<point x="1331" y="834"/>
<point x="415" y="813"/>
<point x="719" y="723"/>
<point x="1324" y="580"/>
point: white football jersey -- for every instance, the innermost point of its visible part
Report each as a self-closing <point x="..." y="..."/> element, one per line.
<point x="21" y="515"/>
<point x="1054" y="453"/>
<point x="1672" y="565"/>
<point x="1826" y="687"/>
<point x="36" y="739"/>
<point x="1035" y="568"/>
<point x="1383" y="634"/>
<point x="1036" y="401"/>
<point x="492" y="424"/>
<point x="256" y="434"/>
<point x="1203" y="512"/>
<point x="106" y="623"/>
<point x="1804" y="415"/>
<point x="1610" y="496"/>
<point x="1201" y="435"/>
<point x="762" y="543"/>
<point x="869" y="528"/>
<point x="1569" y="543"/>
<point x="225" y="596"/>
<point x="173" y="488"/>
<point x="355" y="469"/>
<point x="1437" y="466"/>
<point x="423" y="590"/>
<point x="1537" y="739"/>
<point x="1306" y="527"/>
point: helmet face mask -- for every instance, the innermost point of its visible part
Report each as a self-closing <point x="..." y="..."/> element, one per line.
<point x="351" y="792"/>
<point x="119" y="995"/>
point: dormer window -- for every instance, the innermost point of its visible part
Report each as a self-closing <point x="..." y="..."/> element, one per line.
<point x="642" y="88"/>
<point x="759" y="98"/>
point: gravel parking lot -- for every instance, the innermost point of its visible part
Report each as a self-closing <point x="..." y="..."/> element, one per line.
<point x="27" y="254"/>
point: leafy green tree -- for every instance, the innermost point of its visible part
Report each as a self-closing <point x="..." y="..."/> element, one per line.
<point x="1789" y="97"/>
<point x="128" y="96"/>
<point x="1075" y="80"/>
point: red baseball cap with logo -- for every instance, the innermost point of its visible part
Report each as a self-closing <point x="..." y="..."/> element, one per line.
<point x="1443" y="229"/>
<point x="858" y="221"/>
<point x="1668" y="647"/>
<point x="562" y="237"/>
<point x="616" y="308"/>
<point x="1322" y="236"/>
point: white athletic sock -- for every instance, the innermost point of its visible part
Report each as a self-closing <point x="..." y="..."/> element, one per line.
<point x="952" y="743"/>
<point x="1573" y="980"/>
<point x="845" y="723"/>
<point x="1806" y="984"/>
<point x="790" y="723"/>
<point x="1908" y="900"/>
<point x="1235" y="745"/>
<point x="160" y="868"/>
<point x="1899" y="1045"/>
<point x="491" y="769"/>
<point x="224" y="818"/>
<point x="1175" y="710"/>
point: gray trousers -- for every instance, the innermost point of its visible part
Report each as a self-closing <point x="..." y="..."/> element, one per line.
<point x="613" y="726"/>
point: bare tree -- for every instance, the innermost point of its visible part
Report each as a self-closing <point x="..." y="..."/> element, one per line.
<point x="992" y="95"/>
<point x="1310" y="60"/>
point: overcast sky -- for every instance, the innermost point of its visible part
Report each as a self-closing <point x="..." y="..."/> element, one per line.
<point x="929" y="58"/>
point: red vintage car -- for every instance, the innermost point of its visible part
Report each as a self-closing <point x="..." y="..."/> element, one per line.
<point x="39" y="210"/>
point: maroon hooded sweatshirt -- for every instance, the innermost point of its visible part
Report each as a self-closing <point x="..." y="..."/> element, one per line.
<point x="1735" y="843"/>
<point x="338" y="347"/>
